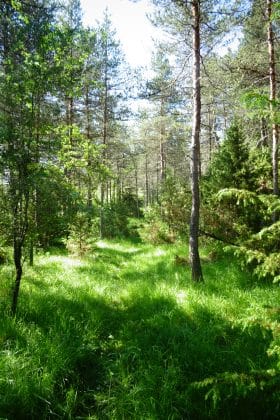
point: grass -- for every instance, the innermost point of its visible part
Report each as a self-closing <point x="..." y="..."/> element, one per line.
<point x="125" y="334"/>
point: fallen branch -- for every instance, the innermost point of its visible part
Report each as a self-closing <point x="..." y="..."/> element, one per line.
<point x="217" y="238"/>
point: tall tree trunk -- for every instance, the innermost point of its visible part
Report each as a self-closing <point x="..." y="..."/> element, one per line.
<point x="195" y="147"/>
<point x="210" y="132"/>
<point x="89" y="157"/>
<point x="18" y="267"/>
<point x="20" y="227"/>
<point x="110" y="191"/>
<point x="161" y="145"/>
<point x="104" y="140"/>
<point x="147" y="201"/>
<point x="70" y="118"/>
<point x="31" y="252"/>
<point x="263" y="133"/>
<point x="136" y="188"/>
<point x="272" y="84"/>
<point x="101" y="212"/>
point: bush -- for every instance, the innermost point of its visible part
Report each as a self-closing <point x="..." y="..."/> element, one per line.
<point x="83" y="234"/>
<point x="3" y="255"/>
<point x="154" y="230"/>
<point x="168" y="220"/>
<point x="260" y="250"/>
<point x="116" y="217"/>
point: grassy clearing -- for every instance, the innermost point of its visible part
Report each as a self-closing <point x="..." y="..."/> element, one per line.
<point x="125" y="334"/>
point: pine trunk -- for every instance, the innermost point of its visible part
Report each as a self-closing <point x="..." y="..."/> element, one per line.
<point x="272" y="83"/>
<point x="195" y="148"/>
<point x="104" y="140"/>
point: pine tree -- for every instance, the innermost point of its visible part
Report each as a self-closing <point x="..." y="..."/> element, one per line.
<point x="230" y="165"/>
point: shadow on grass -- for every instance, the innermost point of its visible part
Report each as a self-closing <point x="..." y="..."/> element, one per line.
<point x="83" y="356"/>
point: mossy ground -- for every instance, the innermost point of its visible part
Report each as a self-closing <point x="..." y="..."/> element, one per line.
<point x="125" y="334"/>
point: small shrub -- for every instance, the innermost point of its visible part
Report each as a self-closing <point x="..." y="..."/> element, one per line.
<point x="3" y="255"/>
<point x="117" y="217"/>
<point x="154" y="230"/>
<point x="83" y="234"/>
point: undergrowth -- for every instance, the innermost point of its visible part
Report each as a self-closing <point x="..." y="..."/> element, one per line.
<point x="125" y="334"/>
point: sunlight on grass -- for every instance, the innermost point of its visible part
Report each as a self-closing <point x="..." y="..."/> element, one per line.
<point x="181" y="296"/>
<point x="158" y="252"/>
<point x="116" y="246"/>
<point x="66" y="262"/>
<point x="125" y="334"/>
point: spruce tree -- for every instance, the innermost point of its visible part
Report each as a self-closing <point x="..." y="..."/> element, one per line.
<point x="229" y="168"/>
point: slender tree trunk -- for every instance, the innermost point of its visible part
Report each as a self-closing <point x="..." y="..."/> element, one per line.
<point x="272" y="83"/>
<point x="18" y="267"/>
<point x="89" y="159"/>
<point x="110" y="191"/>
<point x="20" y="227"/>
<point x="147" y="201"/>
<point x="161" y="145"/>
<point x="70" y="118"/>
<point x="101" y="212"/>
<point x="114" y="192"/>
<point x="210" y="131"/>
<point x="31" y="252"/>
<point x="195" y="148"/>
<point x="107" y="192"/>
<point x="34" y="223"/>
<point x="104" y="139"/>
<point x="136" y="188"/>
<point x="264" y="134"/>
<point x="158" y="182"/>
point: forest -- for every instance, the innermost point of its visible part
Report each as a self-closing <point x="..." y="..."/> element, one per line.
<point x="140" y="214"/>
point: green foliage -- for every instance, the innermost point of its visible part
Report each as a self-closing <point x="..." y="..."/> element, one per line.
<point x="232" y="395"/>
<point x="83" y="232"/>
<point x="124" y="333"/>
<point x="131" y="204"/>
<point x="4" y="256"/>
<point x="5" y="215"/>
<point x="175" y="205"/>
<point x="259" y="105"/>
<point x="230" y="186"/>
<point x="168" y="220"/>
<point x="115" y="220"/>
<point x="275" y="11"/>
<point x="154" y="230"/>
<point x="230" y="165"/>
<point x="260" y="250"/>
<point x="56" y="205"/>
<point x="260" y="169"/>
<point x="116" y="216"/>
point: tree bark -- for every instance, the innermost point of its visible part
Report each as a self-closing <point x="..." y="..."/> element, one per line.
<point x="162" y="141"/>
<point x="104" y="140"/>
<point x="18" y="266"/>
<point x="20" y="228"/>
<point x="89" y="159"/>
<point x="147" y="201"/>
<point x="31" y="252"/>
<point x="272" y="85"/>
<point x="195" y="147"/>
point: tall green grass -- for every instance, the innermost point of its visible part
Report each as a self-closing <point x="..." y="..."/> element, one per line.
<point x="125" y="334"/>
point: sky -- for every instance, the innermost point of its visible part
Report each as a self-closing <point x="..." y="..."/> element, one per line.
<point x="134" y="30"/>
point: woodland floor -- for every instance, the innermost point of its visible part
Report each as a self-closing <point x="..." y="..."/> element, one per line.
<point x="125" y="334"/>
